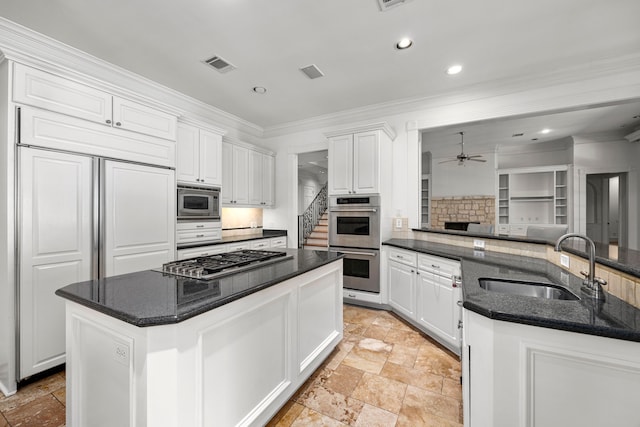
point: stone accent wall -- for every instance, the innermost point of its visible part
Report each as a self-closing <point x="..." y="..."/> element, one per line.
<point x="480" y="209"/>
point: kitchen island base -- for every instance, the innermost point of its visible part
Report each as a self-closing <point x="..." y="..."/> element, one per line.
<point x="235" y="365"/>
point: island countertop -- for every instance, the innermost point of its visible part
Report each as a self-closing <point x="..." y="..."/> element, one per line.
<point x="151" y="298"/>
<point x="613" y="318"/>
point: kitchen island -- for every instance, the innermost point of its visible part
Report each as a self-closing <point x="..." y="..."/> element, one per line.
<point x="151" y="349"/>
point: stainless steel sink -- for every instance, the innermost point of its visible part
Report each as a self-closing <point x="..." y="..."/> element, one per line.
<point x="527" y="289"/>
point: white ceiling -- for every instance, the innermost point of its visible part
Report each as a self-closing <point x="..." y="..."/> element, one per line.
<point x="612" y="121"/>
<point x="351" y="41"/>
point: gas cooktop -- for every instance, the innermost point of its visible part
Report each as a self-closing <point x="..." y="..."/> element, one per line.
<point x="212" y="266"/>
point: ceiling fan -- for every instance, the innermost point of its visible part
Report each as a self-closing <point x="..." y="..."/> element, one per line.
<point x="461" y="158"/>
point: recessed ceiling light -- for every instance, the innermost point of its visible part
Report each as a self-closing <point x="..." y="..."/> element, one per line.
<point x="545" y="131"/>
<point x="405" y="43"/>
<point x="454" y="69"/>
<point x="260" y="90"/>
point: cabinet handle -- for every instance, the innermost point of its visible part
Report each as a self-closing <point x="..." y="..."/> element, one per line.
<point x="108" y="121"/>
<point x="400" y="256"/>
<point x="200" y="226"/>
<point x="435" y="266"/>
<point x="459" y="303"/>
<point x="412" y="271"/>
<point x="351" y="295"/>
<point x="118" y="124"/>
<point x="418" y="273"/>
<point x="199" y="235"/>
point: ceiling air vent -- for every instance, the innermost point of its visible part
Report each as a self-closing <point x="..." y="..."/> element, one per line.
<point x="388" y="4"/>
<point x="219" y="64"/>
<point x="312" y="71"/>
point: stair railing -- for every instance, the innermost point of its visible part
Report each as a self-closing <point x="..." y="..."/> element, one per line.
<point x="311" y="216"/>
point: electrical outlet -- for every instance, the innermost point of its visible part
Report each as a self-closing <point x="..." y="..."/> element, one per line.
<point x="564" y="260"/>
<point x="478" y="244"/>
<point x="121" y="353"/>
<point x="399" y="223"/>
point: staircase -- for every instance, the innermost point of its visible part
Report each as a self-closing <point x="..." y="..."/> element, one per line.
<point x="318" y="240"/>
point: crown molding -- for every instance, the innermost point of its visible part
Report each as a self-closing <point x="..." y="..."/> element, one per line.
<point x="24" y="45"/>
<point x="570" y="76"/>
<point x="383" y="126"/>
<point x="235" y="141"/>
<point x="202" y="125"/>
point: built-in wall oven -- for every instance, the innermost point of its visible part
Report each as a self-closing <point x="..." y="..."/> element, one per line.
<point x="354" y="230"/>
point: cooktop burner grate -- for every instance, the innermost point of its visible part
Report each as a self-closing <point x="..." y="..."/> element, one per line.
<point x="211" y="266"/>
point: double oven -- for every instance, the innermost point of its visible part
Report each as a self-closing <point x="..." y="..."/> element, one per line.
<point x="354" y="230"/>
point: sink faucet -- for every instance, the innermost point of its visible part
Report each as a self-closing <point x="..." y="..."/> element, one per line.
<point x="592" y="285"/>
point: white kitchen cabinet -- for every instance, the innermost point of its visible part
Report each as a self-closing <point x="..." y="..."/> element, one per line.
<point x="202" y="251"/>
<point x="439" y="299"/>
<point x="401" y="279"/>
<point x="261" y="179"/>
<point x="55" y="249"/>
<point x="140" y="207"/>
<point x="197" y="231"/>
<point x="235" y="175"/>
<point x="355" y="159"/>
<point x="523" y="375"/>
<point x="239" y="245"/>
<point x="279" y="242"/>
<point x="199" y="156"/>
<point x="261" y="244"/>
<point x="51" y="92"/>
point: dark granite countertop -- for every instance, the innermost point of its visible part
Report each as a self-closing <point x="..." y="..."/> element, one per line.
<point x="151" y="298"/>
<point x="259" y="234"/>
<point x="612" y="318"/>
<point x="621" y="259"/>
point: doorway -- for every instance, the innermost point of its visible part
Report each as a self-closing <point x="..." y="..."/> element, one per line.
<point x="607" y="208"/>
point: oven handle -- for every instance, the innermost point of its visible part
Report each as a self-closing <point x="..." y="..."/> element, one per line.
<point x="355" y="253"/>
<point x="353" y="210"/>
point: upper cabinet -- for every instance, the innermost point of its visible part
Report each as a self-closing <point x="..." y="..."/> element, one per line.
<point x="199" y="156"/>
<point x="48" y="91"/>
<point x="261" y="178"/>
<point x="354" y="159"/>
<point x="248" y="176"/>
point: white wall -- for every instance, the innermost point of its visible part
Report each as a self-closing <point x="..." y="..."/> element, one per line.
<point x="471" y="179"/>
<point x="607" y="155"/>
<point x="307" y="179"/>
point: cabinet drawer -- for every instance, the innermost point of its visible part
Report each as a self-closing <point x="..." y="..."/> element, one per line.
<point x="198" y="225"/>
<point x="201" y="251"/>
<point x="518" y="230"/>
<point x="260" y="244"/>
<point x="437" y="265"/>
<point x="191" y="236"/>
<point x="503" y="228"/>
<point x="238" y="246"/>
<point x="278" y="242"/>
<point x="404" y="257"/>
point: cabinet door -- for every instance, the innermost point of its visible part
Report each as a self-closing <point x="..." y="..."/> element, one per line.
<point x="341" y="165"/>
<point x="268" y="180"/>
<point x="140" y="215"/>
<point x="50" y="92"/>
<point x="240" y="175"/>
<point x="226" y="191"/>
<point x="366" y="165"/>
<point x="136" y="117"/>
<point x="437" y="309"/>
<point x="255" y="178"/>
<point x="401" y="280"/>
<point x="188" y="164"/>
<point x="210" y="158"/>
<point x="55" y="249"/>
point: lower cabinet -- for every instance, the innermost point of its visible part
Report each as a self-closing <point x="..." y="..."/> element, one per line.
<point x="261" y="244"/>
<point x="522" y="375"/>
<point x="425" y="290"/>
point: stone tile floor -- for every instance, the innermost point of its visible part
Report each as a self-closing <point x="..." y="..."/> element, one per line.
<point x="383" y="373"/>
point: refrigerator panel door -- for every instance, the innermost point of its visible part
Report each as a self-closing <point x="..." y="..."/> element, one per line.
<point x="55" y="249"/>
<point x="139" y="214"/>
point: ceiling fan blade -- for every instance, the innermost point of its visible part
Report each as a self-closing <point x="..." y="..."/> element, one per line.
<point x="448" y="161"/>
<point x="476" y="160"/>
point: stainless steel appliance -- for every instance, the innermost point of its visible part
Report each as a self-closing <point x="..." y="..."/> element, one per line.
<point x="354" y="230"/>
<point x="198" y="203"/>
<point x="212" y="266"/>
<point x="354" y="222"/>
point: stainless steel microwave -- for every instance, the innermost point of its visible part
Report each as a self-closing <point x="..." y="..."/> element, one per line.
<point x="198" y="203"/>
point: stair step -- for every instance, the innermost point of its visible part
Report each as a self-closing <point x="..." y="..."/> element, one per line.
<point x="316" y="242"/>
<point x="318" y="235"/>
<point x="315" y="248"/>
<point x="323" y="222"/>
<point x="321" y="228"/>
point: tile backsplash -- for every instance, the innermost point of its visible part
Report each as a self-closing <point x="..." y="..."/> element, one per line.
<point x="241" y="218"/>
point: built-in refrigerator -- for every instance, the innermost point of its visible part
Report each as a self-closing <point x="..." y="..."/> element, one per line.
<point x="79" y="218"/>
